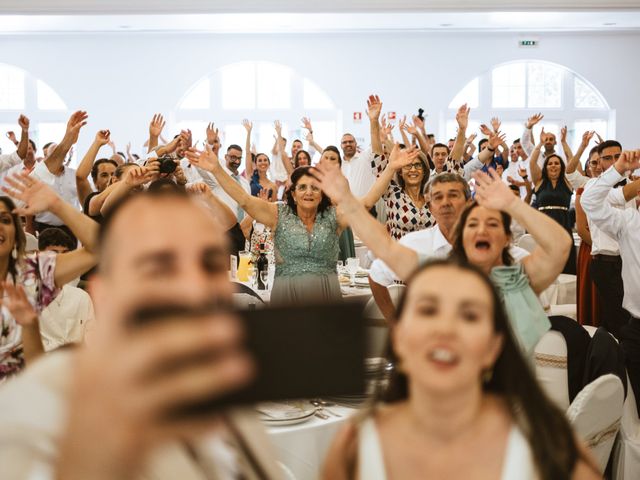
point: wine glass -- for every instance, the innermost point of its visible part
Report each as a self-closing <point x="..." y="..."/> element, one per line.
<point x="264" y="277"/>
<point x="353" y="264"/>
<point x="339" y="267"/>
<point x="253" y="277"/>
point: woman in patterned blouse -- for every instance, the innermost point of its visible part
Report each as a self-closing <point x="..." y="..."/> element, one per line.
<point x="405" y="201"/>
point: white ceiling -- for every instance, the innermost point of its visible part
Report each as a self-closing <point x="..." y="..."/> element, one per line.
<point x="294" y="16"/>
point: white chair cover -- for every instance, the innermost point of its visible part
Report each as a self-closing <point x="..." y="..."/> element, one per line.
<point x="626" y="454"/>
<point x="527" y="242"/>
<point x="595" y="415"/>
<point x="32" y="242"/>
<point x="550" y="356"/>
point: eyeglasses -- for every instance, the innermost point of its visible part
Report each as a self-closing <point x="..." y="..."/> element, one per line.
<point x="304" y="188"/>
<point x="416" y="166"/>
<point x="609" y="158"/>
<point x="234" y="158"/>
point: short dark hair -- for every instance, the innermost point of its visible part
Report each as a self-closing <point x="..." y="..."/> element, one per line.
<point x="120" y="169"/>
<point x="517" y="140"/>
<point x="55" y="237"/>
<point x="296" y="175"/>
<point x="33" y="144"/>
<point x="297" y="140"/>
<point x="102" y="161"/>
<point x="608" y="144"/>
<point x="47" y="145"/>
<point x="164" y="184"/>
<point x="441" y="145"/>
<point x="234" y="147"/>
<point x="482" y="142"/>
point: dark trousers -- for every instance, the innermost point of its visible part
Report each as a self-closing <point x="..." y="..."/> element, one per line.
<point x="43" y="226"/>
<point x="630" y="343"/>
<point x="606" y="273"/>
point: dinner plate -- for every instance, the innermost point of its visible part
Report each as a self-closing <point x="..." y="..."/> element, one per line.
<point x="283" y="423"/>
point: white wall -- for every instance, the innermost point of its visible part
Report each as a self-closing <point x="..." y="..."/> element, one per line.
<point x="121" y="79"/>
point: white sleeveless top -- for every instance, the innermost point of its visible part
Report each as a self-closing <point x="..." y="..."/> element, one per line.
<point x="518" y="461"/>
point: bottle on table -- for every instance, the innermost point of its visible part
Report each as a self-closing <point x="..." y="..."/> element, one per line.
<point x="262" y="265"/>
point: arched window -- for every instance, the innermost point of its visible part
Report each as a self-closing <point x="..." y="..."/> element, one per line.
<point x="20" y="92"/>
<point x="514" y="91"/>
<point x="261" y="92"/>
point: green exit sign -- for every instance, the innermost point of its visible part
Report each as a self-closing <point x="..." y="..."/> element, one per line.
<point x="528" y="43"/>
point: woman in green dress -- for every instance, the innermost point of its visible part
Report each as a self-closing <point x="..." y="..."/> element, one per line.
<point x="307" y="227"/>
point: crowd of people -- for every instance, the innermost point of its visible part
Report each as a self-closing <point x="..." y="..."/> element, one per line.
<point x="85" y="395"/>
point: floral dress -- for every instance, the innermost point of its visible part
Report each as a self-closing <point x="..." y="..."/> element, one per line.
<point x="36" y="275"/>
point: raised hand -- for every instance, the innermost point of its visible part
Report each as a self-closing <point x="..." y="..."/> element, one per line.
<point x="496" y="139"/>
<point x="600" y="140"/>
<point x="402" y="123"/>
<point x="492" y="192"/>
<point x="207" y="159"/>
<point x="76" y="122"/>
<point x="495" y="123"/>
<point x="522" y="172"/>
<point x="278" y="127"/>
<point x="400" y="158"/>
<point x="35" y="195"/>
<point x="385" y="127"/>
<point x="412" y="129"/>
<point x="306" y="123"/>
<point x="186" y="138"/>
<point x="628" y="161"/>
<point x="586" y="137"/>
<point x="332" y="181"/>
<point x="471" y="138"/>
<point x="212" y="134"/>
<point x="563" y="134"/>
<point x="534" y="119"/>
<point x="18" y="304"/>
<point x="103" y="137"/>
<point x="485" y="130"/>
<point x="136" y="176"/>
<point x="418" y="122"/>
<point x="12" y="136"/>
<point x="156" y="125"/>
<point x="462" y="116"/>
<point x="24" y="122"/>
<point x="263" y="194"/>
<point x="542" y="135"/>
<point x="248" y="126"/>
<point x="374" y="107"/>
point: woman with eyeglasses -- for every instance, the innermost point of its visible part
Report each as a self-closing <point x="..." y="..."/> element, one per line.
<point x="405" y="201"/>
<point x="553" y="192"/>
<point x="306" y="227"/>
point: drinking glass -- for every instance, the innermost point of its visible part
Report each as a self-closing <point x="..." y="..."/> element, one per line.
<point x="253" y="277"/>
<point x="339" y="267"/>
<point x="353" y="264"/>
<point x="264" y="277"/>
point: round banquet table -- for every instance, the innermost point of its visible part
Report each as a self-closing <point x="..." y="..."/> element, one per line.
<point x="302" y="448"/>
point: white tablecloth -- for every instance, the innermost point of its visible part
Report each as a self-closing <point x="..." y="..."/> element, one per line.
<point x="302" y="448"/>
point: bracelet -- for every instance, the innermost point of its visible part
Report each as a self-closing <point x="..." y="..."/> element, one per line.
<point x="491" y="149"/>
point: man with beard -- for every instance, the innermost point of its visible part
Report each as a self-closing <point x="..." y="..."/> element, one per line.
<point x="108" y="409"/>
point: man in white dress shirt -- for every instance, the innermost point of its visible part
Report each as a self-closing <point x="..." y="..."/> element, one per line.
<point x="448" y="195"/>
<point x="624" y="227"/>
<point x="65" y="320"/>
<point x="103" y="411"/>
<point x="606" y="263"/>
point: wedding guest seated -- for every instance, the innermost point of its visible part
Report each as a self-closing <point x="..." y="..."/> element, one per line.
<point x="66" y="319"/>
<point x="462" y="401"/>
<point x="104" y="411"/>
